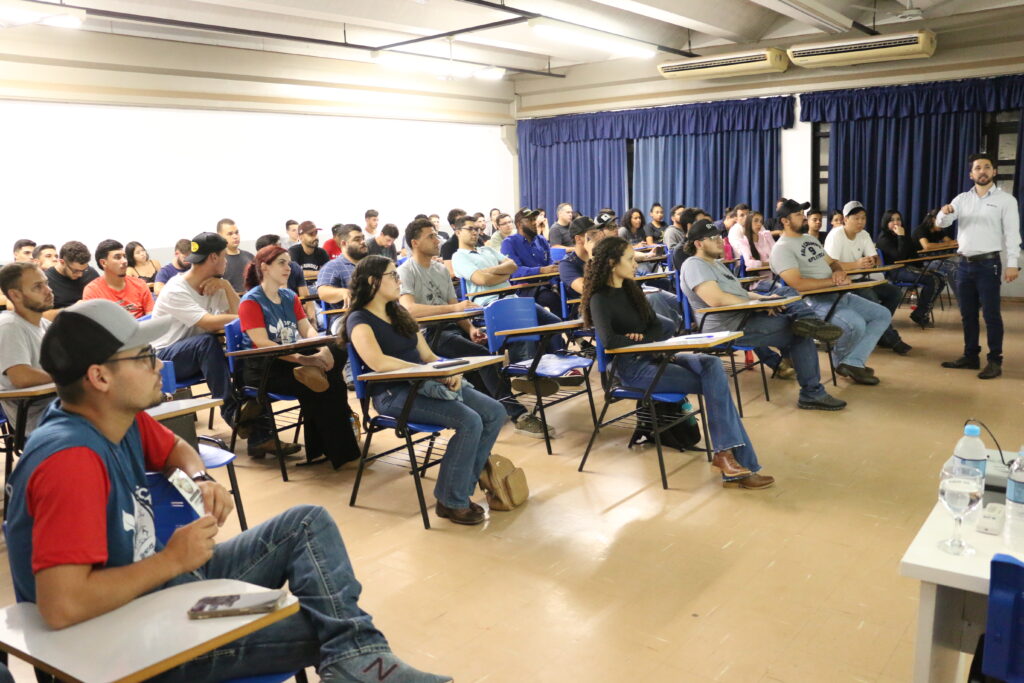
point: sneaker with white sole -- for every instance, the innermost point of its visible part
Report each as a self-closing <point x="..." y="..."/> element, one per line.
<point x="530" y="425"/>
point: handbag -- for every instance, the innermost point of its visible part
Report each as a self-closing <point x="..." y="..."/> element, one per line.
<point x="504" y="483"/>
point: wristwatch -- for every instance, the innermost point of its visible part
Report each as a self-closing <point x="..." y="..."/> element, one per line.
<point x="201" y="475"/>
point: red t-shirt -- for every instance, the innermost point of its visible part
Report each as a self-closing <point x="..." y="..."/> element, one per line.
<point x="332" y="248"/>
<point x="134" y="298"/>
<point x="67" y="498"/>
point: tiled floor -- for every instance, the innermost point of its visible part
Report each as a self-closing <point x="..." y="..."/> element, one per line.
<point x="603" y="576"/>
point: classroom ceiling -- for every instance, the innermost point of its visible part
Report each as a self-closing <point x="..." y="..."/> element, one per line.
<point x="497" y="33"/>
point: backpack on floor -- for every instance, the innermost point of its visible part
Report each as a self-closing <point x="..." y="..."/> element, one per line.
<point x="504" y="483"/>
<point x="682" y="436"/>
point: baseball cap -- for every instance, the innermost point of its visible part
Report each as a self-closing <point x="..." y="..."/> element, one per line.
<point x="604" y="219"/>
<point x="851" y="208"/>
<point x="702" y="229"/>
<point x="790" y="207"/>
<point x="308" y="228"/>
<point x="582" y="226"/>
<point x="204" y="244"/>
<point x="527" y="213"/>
<point x="89" y="333"/>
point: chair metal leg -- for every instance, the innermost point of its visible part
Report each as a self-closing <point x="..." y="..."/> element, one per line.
<point x="237" y="496"/>
<point x="430" y="450"/>
<point x="416" y="478"/>
<point x="657" y="443"/>
<point x="210" y="422"/>
<point x="590" y="397"/>
<point x="300" y="676"/>
<point x="280" y="456"/>
<point x="362" y="466"/>
<point x="736" y="382"/>
<point x="593" y="436"/>
<point x="543" y="417"/>
<point x="764" y="382"/>
<point x="704" y="424"/>
<point x="831" y="364"/>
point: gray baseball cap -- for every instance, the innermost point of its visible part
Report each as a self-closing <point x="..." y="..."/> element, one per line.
<point x="851" y="207"/>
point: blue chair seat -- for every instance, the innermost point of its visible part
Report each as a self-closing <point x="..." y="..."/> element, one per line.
<point x="253" y="393"/>
<point x="389" y="422"/>
<point x="214" y="457"/>
<point x="551" y="365"/>
<point x="657" y="396"/>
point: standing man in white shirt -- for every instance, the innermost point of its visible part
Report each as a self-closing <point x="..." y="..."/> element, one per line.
<point x="988" y="221"/>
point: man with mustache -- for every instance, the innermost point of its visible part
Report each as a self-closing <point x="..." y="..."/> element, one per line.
<point x="21" y="335"/>
<point x="988" y="219"/>
<point x="532" y="255"/>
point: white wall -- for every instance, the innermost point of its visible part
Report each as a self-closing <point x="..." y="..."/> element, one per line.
<point x="797" y="172"/>
<point x="89" y="172"/>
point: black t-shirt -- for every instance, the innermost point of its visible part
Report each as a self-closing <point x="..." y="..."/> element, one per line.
<point x="615" y="316"/>
<point x="558" y="235"/>
<point x="391" y="342"/>
<point x="895" y="248"/>
<point x="65" y="290"/>
<point x="375" y="249"/>
<point x="449" y="248"/>
<point x="927" y="232"/>
<point x="235" y="270"/>
<point x="314" y="261"/>
<point x="654" y="232"/>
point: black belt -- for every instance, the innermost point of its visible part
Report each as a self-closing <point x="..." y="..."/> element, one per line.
<point x="983" y="257"/>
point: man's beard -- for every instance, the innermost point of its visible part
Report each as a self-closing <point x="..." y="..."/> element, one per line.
<point x="530" y="232"/>
<point x="355" y="254"/>
<point x="804" y="229"/>
<point x="39" y="308"/>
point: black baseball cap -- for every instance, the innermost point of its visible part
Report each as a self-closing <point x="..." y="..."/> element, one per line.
<point x="527" y="213"/>
<point x="790" y="207"/>
<point x="581" y="226"/>
<point x="89" y="333"/>
<point x="702" y="229"/>
<point x="604" y="220"/>
<point x="204" y="244"/>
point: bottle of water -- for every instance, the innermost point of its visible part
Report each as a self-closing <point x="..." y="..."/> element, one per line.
<point x="1013" y="528"/>
<point x="970" y="450"/>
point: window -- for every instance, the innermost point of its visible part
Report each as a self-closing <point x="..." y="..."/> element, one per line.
<point x="999" y="133"/>
<point x="819" y="164"/>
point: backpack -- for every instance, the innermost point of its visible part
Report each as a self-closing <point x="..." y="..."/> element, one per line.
<point x="504" y="483"/>
<point x="682" y="436"/>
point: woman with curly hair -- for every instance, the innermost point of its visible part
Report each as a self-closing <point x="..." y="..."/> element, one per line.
<point x="614" y="304"/>
<point x="387" y="338"/>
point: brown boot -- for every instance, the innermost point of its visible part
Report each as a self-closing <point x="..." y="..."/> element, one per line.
<point x="754" y="482"/>
<point x="727" y="465"/>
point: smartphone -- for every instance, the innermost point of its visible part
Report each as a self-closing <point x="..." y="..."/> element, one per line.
<point x="214" y="606"/>
<point x="449" y="364"/>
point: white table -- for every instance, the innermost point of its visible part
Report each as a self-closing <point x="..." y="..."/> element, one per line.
<point x="953" y="603"/>
<point x="148" y="636"/>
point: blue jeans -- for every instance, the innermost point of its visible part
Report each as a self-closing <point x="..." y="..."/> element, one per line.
<point x="930" y="286"/>
<point x="763" y="330"/>
<point x="667" y="306"/>
<point x="692" y="373"/>
<point x="451" y="343"/>
<point x="887" y="295"/>
<point x="303" y="548"/>
<point x="863" y="323"/>
<point x="476" y="419"/>
<point x="522" y="350"/>
<point x="979" y="289"/>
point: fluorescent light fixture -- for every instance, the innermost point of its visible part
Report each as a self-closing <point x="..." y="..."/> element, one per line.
<point x="436" y="66"/>
<point x="593" y="39"/>
<point x="20" y="13"/>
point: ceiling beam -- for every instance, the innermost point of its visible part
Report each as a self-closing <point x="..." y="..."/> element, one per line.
<point x="449" y="34"/>
<point x="722" y="19"/>
<point x="811" y="13"/>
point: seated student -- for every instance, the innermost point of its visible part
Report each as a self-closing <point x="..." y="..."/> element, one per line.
<point x="426" y="289"/>
<point x="81" y="531"/>
<point x="675" y="234"/>
<point x="45" y="255"/>
<point x="852" y="247"/>
<point x="532" y="254"/>
<point x="558" y="233"/>
<point x="814" y="225"/>
<point x="23" y="251"/>
<point x="331" y="245"/>
<point x="384" y="243"/>
<point x="928" y="233"/>
<point x="707" y="283"/>
<point x="451" y="244"/>
<point x="772" y="223"/>
<point x="130" y="293"/>
<point x="654" y="231"/>
<point x="503" y="228"/>
<point x="271" y="315"/>
<point x="436" y="220"/>
<point x="291" y="234"/>
<point x="751" y="240"/>
<point x="372" y="218"/>
<point x="199" y="303"/>
<point x="615" y="305"/>
<point x="307" y="253"/>
<point x="139" y="263"/>
<point x="178" y="264"/>
<point x="238" y="259"/>
<point x="21" y="334"/>
<point x="296" y="281"/>
<point x="333" y="283"/>
<point x="69" y="277"/>
<point x="586" y="234"/>
<point x="632" y="229"/>
<point x="726" y="224"/>
<point x="387" y="338"/>
<point x="803" y="265"/>
<point x="896" y="244"/>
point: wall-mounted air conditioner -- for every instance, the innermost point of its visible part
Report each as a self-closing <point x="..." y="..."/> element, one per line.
<point x="895" y="46"/>
<point x="769" y="60"/>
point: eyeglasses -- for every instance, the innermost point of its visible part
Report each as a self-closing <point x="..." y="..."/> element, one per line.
<point x="394" y="276"/>
<point x="148" y="353"/>
<point x="474" y="229"/>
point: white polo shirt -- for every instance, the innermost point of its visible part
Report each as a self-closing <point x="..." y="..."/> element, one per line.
<point x="988" y="223"/>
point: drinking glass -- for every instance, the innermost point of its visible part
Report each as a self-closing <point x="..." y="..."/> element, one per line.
<point x="960" y="490"/>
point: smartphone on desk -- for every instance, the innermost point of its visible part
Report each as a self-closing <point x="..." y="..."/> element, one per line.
<point x="263" y="602"/>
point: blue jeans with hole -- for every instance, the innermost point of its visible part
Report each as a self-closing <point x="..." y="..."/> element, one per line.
<point x="303" y="549"/>
<point x="979" y="291"/>
<point x="476" y="419"/>
<point x="696" y="373"/>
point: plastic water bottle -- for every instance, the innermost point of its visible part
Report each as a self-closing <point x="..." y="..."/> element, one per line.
<point x="970" y="450"/>
<point x="1013" y="528"/>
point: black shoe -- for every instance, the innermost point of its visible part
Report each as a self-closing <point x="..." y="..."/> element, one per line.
<point x="963" y="363"/>
<point x="858" y="375"/>
<point x="825" y="402"/>
<point x="992" y="370"/>
<point x="902" y="348"/>
<point x="467" y="516"/>
<point x="816" y="328"/>
<point x="249" y="411"/>
<point x="920" y="319"/>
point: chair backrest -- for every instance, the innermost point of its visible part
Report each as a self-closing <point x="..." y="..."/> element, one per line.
<point x="684" y="303"/>
<point x="1004" y="631"/>
<point x="881" y="257"/>
<point x="170" y="384"/>
<point x="563" y="295"/>
<point x="356" y="364"/>
<point x="463" y="292"/>
<point x="510" y="313"/>
<point x="602" y="357"/>
<point x="557" y="254"/>
<point x="321" y="319"/>
<point x="233" y="341"/>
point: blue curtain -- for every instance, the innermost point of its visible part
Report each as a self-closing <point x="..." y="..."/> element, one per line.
<point x="589" y="175"/>
<point x="1018" y="175"/>
<point x="913" y="164"/>
<point x="938" y="97"/>
<point x="712" y="171"/>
